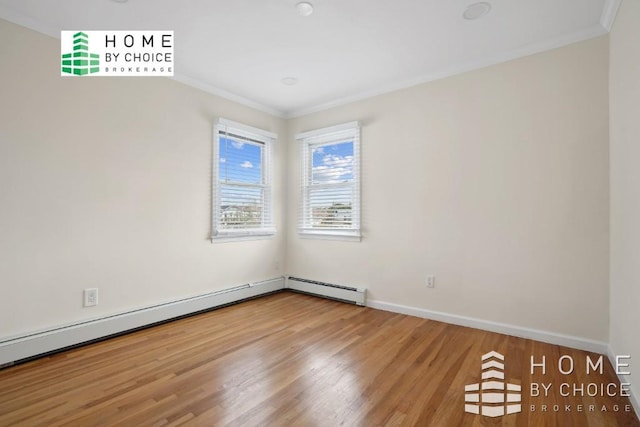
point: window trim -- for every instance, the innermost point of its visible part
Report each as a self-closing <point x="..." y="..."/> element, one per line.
<point x="258" y="136"/>
<point x="327" y="136"/>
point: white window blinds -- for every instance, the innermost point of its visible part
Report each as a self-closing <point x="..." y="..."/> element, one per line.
<point x="330" y="190"/>
<point x="242" y="196"/>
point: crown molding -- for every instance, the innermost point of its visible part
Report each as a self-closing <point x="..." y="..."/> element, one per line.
<point x="603" y="27"/>
<point x="463" y="67"/>
<point x="198" y="84"/>
<point x="609" y="12"/>
<point x="18" y="18"/>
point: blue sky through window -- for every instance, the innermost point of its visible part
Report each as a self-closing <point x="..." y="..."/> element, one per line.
<point x="332" y="163"/>
<point x="240" y="161"/>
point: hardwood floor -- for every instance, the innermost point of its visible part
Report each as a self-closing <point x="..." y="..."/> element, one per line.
<point x="296" y="360"/>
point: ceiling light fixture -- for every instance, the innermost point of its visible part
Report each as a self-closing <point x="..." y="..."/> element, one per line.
<point x="289" y="81"/>
<point x="304" y="8"/>
<point x="476" y="11"/>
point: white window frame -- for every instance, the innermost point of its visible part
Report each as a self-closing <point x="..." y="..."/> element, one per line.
<point x="267" y="229"/>
<point x="322" y="137"/>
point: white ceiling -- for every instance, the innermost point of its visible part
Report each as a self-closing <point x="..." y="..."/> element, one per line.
<point x="346" y="50"/>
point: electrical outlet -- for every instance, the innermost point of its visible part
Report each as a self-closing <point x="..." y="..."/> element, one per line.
<point x="90" y="297"/>
<point x="431" y="281"/>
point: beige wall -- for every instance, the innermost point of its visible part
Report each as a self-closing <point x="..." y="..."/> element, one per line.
<point x="625" y="186"/>
<point x="105" y="182"/>
<point x="495" y="181"/>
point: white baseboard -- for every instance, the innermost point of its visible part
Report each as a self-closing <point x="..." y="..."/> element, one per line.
<point x="31" y="345"/>
<point x="518" y="331"/>
<point x="634" y="398"/>
<point x="502" y="328"/>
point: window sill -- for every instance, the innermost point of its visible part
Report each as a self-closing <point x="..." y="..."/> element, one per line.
<point x="225" y="238"/>
<point x="330" y="235"/>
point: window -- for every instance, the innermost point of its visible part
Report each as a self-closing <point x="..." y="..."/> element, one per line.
<point x="242" y="189"/>
<point x="331" y="182"/>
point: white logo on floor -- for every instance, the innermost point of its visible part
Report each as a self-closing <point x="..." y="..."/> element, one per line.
<point x="493" y="397"/>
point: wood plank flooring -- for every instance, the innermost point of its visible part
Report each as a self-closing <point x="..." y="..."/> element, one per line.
<point x="296" y="360"/>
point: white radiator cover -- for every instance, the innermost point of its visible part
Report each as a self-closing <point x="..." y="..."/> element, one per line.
<point x="328" y="290"/>
<point x="28" y="346"/>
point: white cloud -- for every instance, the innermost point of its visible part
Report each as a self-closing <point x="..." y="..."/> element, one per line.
<point x="334" y="169"/>
<point x="223" y="160"/>
<point x="246" y="164"/>
<point x="237" y="144"/>
<point x="334" y="161"/>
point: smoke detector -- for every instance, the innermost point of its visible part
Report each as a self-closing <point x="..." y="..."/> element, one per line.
<point x="304" y="8"/>
<point x="476" y="11"/>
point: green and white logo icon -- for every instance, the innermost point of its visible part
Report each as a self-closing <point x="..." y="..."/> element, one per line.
<point x="80" y="61"/>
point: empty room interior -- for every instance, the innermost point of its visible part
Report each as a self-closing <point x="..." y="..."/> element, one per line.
<point x="319" y="213"/>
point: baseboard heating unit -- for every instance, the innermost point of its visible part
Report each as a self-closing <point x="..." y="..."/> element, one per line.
<point x="327" y="290"/>
<point x="36" y="344"/>
<point x="55" y="339"/>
